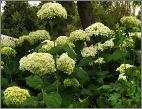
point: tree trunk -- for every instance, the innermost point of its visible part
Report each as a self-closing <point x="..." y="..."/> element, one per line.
<point x="85" y="12"/>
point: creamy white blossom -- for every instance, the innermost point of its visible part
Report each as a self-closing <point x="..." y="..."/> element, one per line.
<point x="123" y="67"/>
<point x="109" y="43"/>
<point x="78" y="35"/>
<point x="38" y="63"/>
<point x="47" y="45"/>
<point x="15" y="96"/>
<point x="51" y="11"/>
<point x="100" y="60"/>
<point x="38" y="36"/>
<point x="98" y="29"/>
<point x="88" y="51"/>
<point x="122" y="76"/>
<point x="7" y="43"/>
<point x="65" y="63"/>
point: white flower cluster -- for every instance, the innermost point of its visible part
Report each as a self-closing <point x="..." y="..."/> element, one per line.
<point x="122" y="76"/>
<point x="123" y="67"/>
<point x="38" y="63"/>
<point x="65" y="63"/>
<point x="107" y="44"/>
<point x="47" y="45"/>
<point x="100" y="60"/>
<point x="15" y="96"/>
<point x="78" y="35"/>
<point x="8" y="51"/>
<point x="98" y="29"/>
<point x="71" y="82"/>
<point x="135" y="34"/>
<point x="61" y="40"/>
<point x="7" y="43"/>
<point x="51" y="11"/>
<point x="130" y="22"/>
<point x="88" y="51"/>
<point x="38" y="36"/>
<point x="128" y="43"/>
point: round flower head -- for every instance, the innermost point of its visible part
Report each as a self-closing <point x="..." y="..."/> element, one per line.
<point x="98" y="29"/>
<point x="88" y="51"/>
<point x="38" y="36"/>
<point x="61" y="40"/>
<point x="71" y="82"/>
<point x="51" y="11"/>
<point x="7" y="43"/>
<point x="65" y="63"/>
<point x="8" y="51"/>
<point x="131" y="23"/>
<point x="78" y="35"/>
<point x="47" y="45"/>
<point x="123" y="67"/>
<point x="38" y="63"/>
<point x="15" y="96"/>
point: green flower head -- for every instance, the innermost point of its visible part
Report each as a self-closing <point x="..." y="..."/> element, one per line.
<point x="15" y="96"/>
<point x="71" y="82"/>
<point x="65" y="63"/>
<point x="51" y="11"/>
<point x="38" y="63"/>
<point x="8" y="51"/>
<point x="130" y="23"/>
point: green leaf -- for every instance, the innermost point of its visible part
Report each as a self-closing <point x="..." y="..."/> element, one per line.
<point x="4" y="82"/>
<point x="55" y="50"/>
<point x="52" y="100"/>
<point x="53" y="86"/>
<point x="34" y="82"/>
<point x="81" y="74"/>
<point x="31" y="102"/>
<point x="117" y="55"/>
<point x="70" y="51"/>
<point x="105" y="87"/>
<point x="67" y="99"/>
<point x="85" y="61"/>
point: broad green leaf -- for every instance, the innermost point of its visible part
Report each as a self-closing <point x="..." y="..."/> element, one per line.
<point x="81" y="74"/>
<point x="105" y="87"/>
<point x="53" y="86"/>
<point x="52" y="100"/>
<point x="4" y="82"/>
<point x="85" y="61"/>
<point x="117" y="55"/>
<point x="67" y="99"/>
<point x="31" y="102"/>
<point x="34" y="82"/>
<point x="70" y="51"/>
<point x="55" y="50"/>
